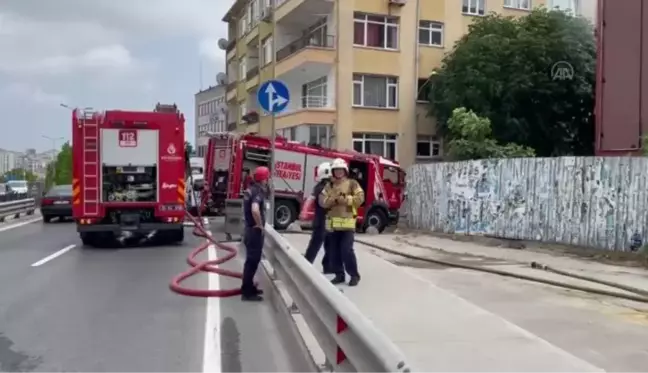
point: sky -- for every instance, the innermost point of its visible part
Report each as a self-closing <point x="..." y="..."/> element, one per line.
<point x="103" y="54"/>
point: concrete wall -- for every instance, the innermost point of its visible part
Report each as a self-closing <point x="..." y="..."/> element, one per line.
<point x="586" y="201"/>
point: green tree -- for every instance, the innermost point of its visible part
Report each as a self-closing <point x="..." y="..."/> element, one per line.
<point x="50" y="174"/>
<point x="470" y="138"/>
<point x="189" y="148"/>
<point x="63" y="165"/>
<point x="19" y="174"/>
<point x="502" y="70"/>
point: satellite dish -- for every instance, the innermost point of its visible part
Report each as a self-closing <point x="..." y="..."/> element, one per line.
<point x="222" y="43"/>
<point x="221" y="78"/>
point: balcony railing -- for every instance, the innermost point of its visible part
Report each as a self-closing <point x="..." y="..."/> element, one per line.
<point x="252" y="73"/>
<point x="231" y="85"/>
<point x="311" y="102"/>
<point x="328" y="41"/>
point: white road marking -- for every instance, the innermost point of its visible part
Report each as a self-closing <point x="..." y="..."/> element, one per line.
<point x="17" y="225"/>
<point x="212" y="351"/>
<point x="53" y="256"/>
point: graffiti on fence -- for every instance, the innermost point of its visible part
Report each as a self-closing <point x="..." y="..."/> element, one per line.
<point x="589" y="201"/>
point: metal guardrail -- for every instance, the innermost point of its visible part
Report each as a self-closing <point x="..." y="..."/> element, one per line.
<point x="15" y="204"/>
<point x="349" y="340"/>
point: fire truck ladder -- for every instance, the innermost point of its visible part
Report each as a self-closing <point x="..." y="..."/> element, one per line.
<point x="90" y="124"/>
<point x="231" y="143"/>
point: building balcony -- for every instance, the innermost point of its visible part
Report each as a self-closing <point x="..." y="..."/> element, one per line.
<point x="305" y="51"/>
<point x="301" y="12"/>
<point x="251" y="73"/>
<point x="252" y="78"/>
<point x="230" y="91"/>
<point x="309" y="110"/>
<point x="231" y="50"/>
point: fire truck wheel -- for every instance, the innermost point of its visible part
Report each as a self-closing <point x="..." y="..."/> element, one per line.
<point x="376" y="218"/>
<point x="88" y="238"/>
<point x="285" y="213"/>
<point x="174" y="236"/>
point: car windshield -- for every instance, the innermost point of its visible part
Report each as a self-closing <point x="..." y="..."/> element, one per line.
<point x="60" y="191"/>
<point x="17" y="184"/>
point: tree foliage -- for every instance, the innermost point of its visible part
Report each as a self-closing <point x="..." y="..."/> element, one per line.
<point x="471" y="138"/>
<point x="189" y="148"/>
<point x="59" y="172"/>
<point x="502" y="70"/>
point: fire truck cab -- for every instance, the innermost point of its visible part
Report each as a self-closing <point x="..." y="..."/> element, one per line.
<point x="231" y="159"/>
<point x="128" y="173"/>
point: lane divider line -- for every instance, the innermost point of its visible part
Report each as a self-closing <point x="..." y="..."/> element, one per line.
<point x="212" y="348"/>
<point x="53" y="256"/>
<point x="22" y="223"/>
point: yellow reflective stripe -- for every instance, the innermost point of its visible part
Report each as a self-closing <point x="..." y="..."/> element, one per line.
<point x="348" y="223"/>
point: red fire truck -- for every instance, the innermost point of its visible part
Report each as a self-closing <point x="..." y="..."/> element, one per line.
<point x="231" y="158"/>
<point x="128" y="174"/>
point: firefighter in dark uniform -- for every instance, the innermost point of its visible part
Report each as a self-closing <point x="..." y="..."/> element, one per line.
<point x="342" y="198"/>
<point x="319" y="235"/>
<point x="254" y="215"/>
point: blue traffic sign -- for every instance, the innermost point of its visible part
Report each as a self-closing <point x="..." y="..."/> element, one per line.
<point x="273" y="96"/>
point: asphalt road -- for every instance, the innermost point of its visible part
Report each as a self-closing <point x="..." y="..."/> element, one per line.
<point x="68" y="308"/>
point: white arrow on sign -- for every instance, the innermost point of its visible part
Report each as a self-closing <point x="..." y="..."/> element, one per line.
<point x="272" y="101"/>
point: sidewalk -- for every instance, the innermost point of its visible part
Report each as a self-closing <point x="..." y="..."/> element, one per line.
<point x="440" y="331"/>
<point x="512" y="260"/>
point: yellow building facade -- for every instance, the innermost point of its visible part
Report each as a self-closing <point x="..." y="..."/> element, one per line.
<point x="355" y="68"/>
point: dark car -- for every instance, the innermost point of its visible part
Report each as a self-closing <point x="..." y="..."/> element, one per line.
<point x="57" y="202"/>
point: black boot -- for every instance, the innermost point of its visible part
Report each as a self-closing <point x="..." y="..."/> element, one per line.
<point x="251" y="298"/>
<point x="338" y="280"/>
<point x="354" y="281"/>
<point x="258" y="291"/>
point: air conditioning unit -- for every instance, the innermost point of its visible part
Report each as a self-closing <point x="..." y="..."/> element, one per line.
<point x="397" y="2"/>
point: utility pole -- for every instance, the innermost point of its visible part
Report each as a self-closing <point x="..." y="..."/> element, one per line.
<point x="273" y="129"/>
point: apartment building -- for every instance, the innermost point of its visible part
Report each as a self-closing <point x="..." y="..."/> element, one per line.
<point x="210" y="115"/>
<point x="355" y="68"/>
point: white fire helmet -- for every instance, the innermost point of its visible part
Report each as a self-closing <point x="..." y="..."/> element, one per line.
<point x="323" y="171"/>
<point x="339" y="163"/>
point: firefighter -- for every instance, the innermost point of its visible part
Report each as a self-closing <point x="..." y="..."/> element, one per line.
<point x="319" y="236"/>
<point x="254" y="216"/>
<point x="342" y="198"/>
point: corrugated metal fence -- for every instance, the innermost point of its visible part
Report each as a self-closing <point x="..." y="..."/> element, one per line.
<point x="587" y="201"/>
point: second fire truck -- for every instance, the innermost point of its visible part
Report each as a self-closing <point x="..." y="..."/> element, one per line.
<point x="231" y="158"/>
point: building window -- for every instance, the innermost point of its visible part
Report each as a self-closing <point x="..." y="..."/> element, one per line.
<point x="518" y="4"/>
<point x="242" y="111"/>
<point x="430" y="33"/>
<point x="375" y="31"/>
<point x="375" y="91"/>
<point x="242" y="25"/>
<point x="288" y="133"/>
<point x="473" y="7"/>
<point x="422" y="93"/>
<point x="569" y="6"/>
<point x="375" y="143"/>
<point x="267" y="54"/>
<point x="318" y="135"/>
<point x="242" y="68"/>
<point x="427" y="147"/>
<point x="253" y="11"/>
<point x="314" y="93"/>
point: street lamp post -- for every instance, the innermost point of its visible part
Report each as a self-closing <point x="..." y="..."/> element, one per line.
<point x="53" y="140"/>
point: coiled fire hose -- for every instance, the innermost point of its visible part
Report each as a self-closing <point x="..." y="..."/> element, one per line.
<point x="210" y="266"/>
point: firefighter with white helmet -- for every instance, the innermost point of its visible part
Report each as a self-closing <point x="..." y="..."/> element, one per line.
<point x="319" y="236"/>
<point x="342" y="198"/>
